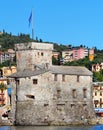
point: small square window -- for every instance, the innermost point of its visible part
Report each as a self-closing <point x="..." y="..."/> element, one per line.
<point x="72" y="105"/>
<point x="35" y="81"/>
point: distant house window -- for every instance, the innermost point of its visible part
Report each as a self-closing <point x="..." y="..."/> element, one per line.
<point x="84" y="93"/>
<point x="55" y="77"/>
<point x="35" y="81"/>
<point x="42" y="53"/>
<point x="95" y="93"/>
<point x="100" y="102"/>
<point x="74" y="93"/>
<point x="78" y="78"/>
<point x="63" y="78"/>
<point x="96" y="103"/>
<point x="100" y="93"/>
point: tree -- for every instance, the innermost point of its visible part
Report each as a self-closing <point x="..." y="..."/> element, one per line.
<point x="97" y="76"/>
<point x="54" y="61"/>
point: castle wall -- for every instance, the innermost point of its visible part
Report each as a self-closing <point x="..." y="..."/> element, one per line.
<point x="53" y="101"/>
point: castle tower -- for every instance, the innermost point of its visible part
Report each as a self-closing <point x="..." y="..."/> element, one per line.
<point x="34" y="55"/>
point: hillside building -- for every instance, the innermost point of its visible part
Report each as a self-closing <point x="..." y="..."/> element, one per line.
<point x="77" y="53"/>
<point x="98" y="98"/>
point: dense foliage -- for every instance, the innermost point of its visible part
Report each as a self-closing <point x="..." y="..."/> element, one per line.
<point x="7" y="41"/>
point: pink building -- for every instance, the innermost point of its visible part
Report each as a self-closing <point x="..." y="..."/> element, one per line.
<point x="79" y="53"/>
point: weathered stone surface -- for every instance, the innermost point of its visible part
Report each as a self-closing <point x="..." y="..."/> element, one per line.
<point x="50" y="101"/>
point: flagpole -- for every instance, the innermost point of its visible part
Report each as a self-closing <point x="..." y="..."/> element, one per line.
<point x="33" y="24"/>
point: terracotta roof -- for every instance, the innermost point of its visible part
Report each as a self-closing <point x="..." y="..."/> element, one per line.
<point x="71" y="70"/>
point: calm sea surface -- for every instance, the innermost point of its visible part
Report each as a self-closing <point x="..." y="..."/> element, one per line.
<point x="97" y="127"/>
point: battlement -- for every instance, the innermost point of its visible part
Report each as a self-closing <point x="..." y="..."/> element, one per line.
<point x="34" y="45"/>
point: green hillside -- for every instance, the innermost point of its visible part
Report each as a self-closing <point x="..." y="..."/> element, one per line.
<point x="7" y="41"/>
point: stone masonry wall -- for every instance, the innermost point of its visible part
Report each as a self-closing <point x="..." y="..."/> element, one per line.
<point x="54" y="103"/>
<point x="31" y="58"/>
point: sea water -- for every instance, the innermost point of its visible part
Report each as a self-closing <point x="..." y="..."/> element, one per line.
<point x="96" y="127"/>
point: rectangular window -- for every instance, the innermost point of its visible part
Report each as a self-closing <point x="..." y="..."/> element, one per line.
<point x="95" y="93"/>
<point x="84" y="93"/>
<point x="55" y="77"/>
<point x="95" y="105"/>
<point x="18" y="82"/>
<point x="42" y="54"/>
<point x="63" y="78"/>
<point x="60" y="107"/>
<point x="100" y="102"/>
<point x="74" y="93"/>
<point x="84" y="105"/>
<point x="35" y="81"/>
<point x="45" y="105"/>
<point x="58" y="93"/>
<point x="96" y="101"/>
<point x="72" y="105"/>
<point x="100" y="93"/>
<point x="78" y="78"/>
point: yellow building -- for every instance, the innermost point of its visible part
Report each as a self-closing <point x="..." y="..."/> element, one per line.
<point x="91" y="57"/>
<point x="3" y="92"/>
<point x="5" y="97"/>
<point x="6" y="71"/>
<point x="98" y="94"/>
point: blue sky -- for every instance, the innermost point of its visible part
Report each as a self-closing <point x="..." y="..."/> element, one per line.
<point x="72" y="22"/>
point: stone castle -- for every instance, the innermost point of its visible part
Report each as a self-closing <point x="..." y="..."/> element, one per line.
<point x="44" y="94"/>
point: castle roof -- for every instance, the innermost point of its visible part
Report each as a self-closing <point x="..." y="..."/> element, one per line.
<point x="71" y="70"/>
<point x="66" y="70"/>
<point x="28" y="73"/>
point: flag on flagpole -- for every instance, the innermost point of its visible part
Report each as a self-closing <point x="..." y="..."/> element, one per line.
<point x="30" y="18"/>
